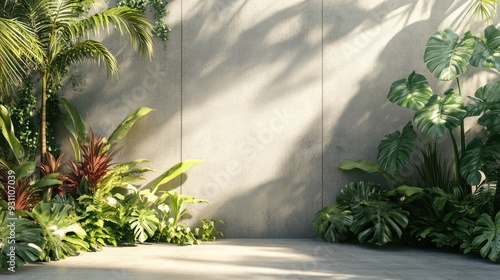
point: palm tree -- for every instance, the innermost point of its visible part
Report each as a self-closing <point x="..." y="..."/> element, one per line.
<point x="65" y="38"/>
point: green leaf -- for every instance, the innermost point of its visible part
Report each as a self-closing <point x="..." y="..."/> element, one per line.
<point x="359" y="192"/>
<point x="48" y="180"/>
<point x="487" y="52"/>
<point x="144" y="222"/>
<point x="173" y="172"/>
<point x="477" y="157"/>
<point x="56" y="221"/>
<point x="364" y="165"/>
<point x="25" y="169"/>
<point x="405" y="190"/>
<point x="8" y="132"/>
<point x="28" y="239"/>
<point x="395" y="149"/>
<point x="412" y="93"/>
<point x="488" y="237"/>
<point x="378" y="222"/>
<point x="446" y="56"/>
<point x="440" y="115"/>
<point x="485" y="98"/>
<point x="127" y="123"/>
<point x="332" y="223"/>
<point x="75" y="125"/>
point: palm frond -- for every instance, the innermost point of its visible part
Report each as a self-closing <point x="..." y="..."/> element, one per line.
<point x="81" y="51"/>
<point x="121" y="19"/>
<point x="18" y="51"/>
<point x="483" y="9"/>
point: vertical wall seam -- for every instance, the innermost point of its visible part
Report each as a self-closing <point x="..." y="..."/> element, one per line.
<point x="182" y="91"/>
<point x="322" y="105"/>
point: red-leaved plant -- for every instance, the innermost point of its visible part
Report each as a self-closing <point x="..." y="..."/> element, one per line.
<point x="85" y="175"/>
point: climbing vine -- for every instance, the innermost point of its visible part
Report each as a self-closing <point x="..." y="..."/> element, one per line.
<point x="159" y="7"/>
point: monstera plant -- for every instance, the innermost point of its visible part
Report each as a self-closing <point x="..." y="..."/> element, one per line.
<point x="437" y="205"/>
<point x="447" y="57"/>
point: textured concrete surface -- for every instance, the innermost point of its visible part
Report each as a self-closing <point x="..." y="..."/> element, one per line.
<point x="272" y="94"/>
<point x="261" y="259"/>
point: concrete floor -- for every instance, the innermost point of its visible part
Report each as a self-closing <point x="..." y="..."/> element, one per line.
<point x="261" y="259"/>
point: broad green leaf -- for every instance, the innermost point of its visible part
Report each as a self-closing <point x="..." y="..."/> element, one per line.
<point x="477" y="157"/>
<point x="491" y="119"/>
<point x="487" y="51"/>
<point x="440" y="115"/>
<point x="394" y="150"/>
<point x="127" y="123"/>
<point x="28" y="238"/>
<point x="365" y="165"/>
<point x="57" y="221"/>
<point x="144" y="222"/>
<point x="484" y="98"/>
<point x="25" y="169"/>
<point x="488" y="237"/>
<point x="358" y="192"/>
<point x="405" y="190"/>
<point x="332" y="223"/>
<point x="75" y="125"/>
<point x="8" y="132"/>
<point x="412" y="93"/>
<point x="378" y="222"/>
<point x="48" y="180"/>
<point x="446" y="56"/>
<point x="173" y="172"/>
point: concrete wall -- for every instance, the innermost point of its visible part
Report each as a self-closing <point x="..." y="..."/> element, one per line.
<point x="272" y="94"/>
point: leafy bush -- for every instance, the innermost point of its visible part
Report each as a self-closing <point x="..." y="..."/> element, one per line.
<point x="28" y="240"/>
<point x="364" y="210"/>
<point x="436" y="206"/>
<point x="63" y="234"/>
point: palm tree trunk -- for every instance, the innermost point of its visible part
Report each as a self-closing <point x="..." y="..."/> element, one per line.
<point x="43" y="121"/>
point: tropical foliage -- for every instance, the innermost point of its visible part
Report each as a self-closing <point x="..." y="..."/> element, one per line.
<point x="449" y="202"/>
<point x="92" y="203"/>
<point x="58" y="36"/>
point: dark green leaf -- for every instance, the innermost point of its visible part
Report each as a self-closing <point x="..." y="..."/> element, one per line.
<point x="487" y="51"/>
<point x="412" y="93"/>
<point x="394" y="150"/>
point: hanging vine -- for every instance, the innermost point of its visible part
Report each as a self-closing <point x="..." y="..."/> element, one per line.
<point x="158" y="7"/>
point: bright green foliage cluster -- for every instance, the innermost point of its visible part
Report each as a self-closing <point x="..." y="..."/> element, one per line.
<point x="436" y="205"/>
<point x="94" y="204"/>
<point x="159" y="7"/>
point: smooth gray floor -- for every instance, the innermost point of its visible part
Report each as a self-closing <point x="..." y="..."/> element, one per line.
<point x="261" y="259"/>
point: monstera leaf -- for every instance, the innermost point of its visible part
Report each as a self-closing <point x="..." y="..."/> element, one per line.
<point x="28" y="239"/>
<point x="378" y="222"/>
<point x="412" y="93"/>
<point x="477" y="156"/>
<point x="446" y="56"/>
<point x="358" y="192"/>
<point x="57" y="222"/>
<point x="484" y="98"/>
<point x="144" y="222"/>
<point x="332" y="223"/>
<point x="440" y="114"/>
<point x="394" y="150"/>
<point x="487" y="51"/>
<point x="491" y="120"/>
<point x="488" y="237"/>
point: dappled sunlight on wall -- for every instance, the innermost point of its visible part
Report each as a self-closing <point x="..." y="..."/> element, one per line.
<point x="272" y="94"/>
